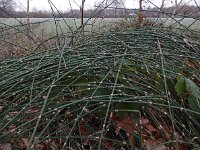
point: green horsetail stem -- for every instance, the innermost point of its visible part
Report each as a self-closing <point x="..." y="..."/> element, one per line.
<point x="55" y="94"/>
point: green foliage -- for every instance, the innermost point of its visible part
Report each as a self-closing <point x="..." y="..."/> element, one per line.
<point x="194" y="103"/>
<point x="194" y="99"/>
<point x="192" y="88"/>
<point x="76" y="95"/>
<point x="186" y="86"/>
<point x="181" y="87"/>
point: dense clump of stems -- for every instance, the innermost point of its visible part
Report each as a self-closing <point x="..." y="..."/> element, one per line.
<point x="57" y="94"/>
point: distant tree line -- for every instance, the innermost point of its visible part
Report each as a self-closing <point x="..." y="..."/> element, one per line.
<point x="186" y="11"/>
<point x="75" y="13"/>
<point x="114" y="10"/>
<point x="190" y="11"/>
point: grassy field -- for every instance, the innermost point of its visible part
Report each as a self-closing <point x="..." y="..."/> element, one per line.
<point x="184" y="23"/>
<point x="19" y="39"/>
<point x="64" y="25"/>
<point x="16" y="35"/>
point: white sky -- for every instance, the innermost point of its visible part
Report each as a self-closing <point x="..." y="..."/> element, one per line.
<point x="64" y="5"/>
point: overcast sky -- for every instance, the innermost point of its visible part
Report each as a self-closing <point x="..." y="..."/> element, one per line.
<point x="64" y="5"/>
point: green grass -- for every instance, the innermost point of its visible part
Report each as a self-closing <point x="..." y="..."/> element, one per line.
<point x="186" y="23"/>
<point x="49" y="26"/>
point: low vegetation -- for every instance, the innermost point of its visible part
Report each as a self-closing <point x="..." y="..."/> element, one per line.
<point x="116" y="90"/>
<point x="101" y="83"/>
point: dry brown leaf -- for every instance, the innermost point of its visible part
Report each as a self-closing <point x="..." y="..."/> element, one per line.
<point x="181" y="147"/>
<point x="144" y="121"/>
<point x="127" y="125"/>
<point x="23" y="143"/>
<point x="146" y="124"/>
<point x="84" y="132"/>
<point x="5" y="146"/>
<point x="42" y="146"/>
<point x="86" y="142"/>
<point x="44" y="97"/>
<point x="168" y="132"/>
<point x="159" y="134"/>
<point x="177" y="136"/>
<point x="119" y="125"/>
<point x="151" y="144"/>
<point x="11" y="129"/>
<point x="150" y="128"/>
<point x="193" y="63"/>
<point x="1" y="108"/>
<point x="160" y="140"/>
<point x="34" y="110"/>
<point x="161" y="147"/>
<point x="117" y="130"/>
<point x="53" y="145"/>
<point x="110" y="146"/>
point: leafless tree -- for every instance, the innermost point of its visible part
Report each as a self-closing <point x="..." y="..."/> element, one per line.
<point x="177" y="3"/>
<point x="115" y="3"/>
<point x="161" y="12"/>
<point x="82" y="11"/>
<point x="6" y="6"/>
<point x="140" y="14"/>
<point x="28" y="15"/>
